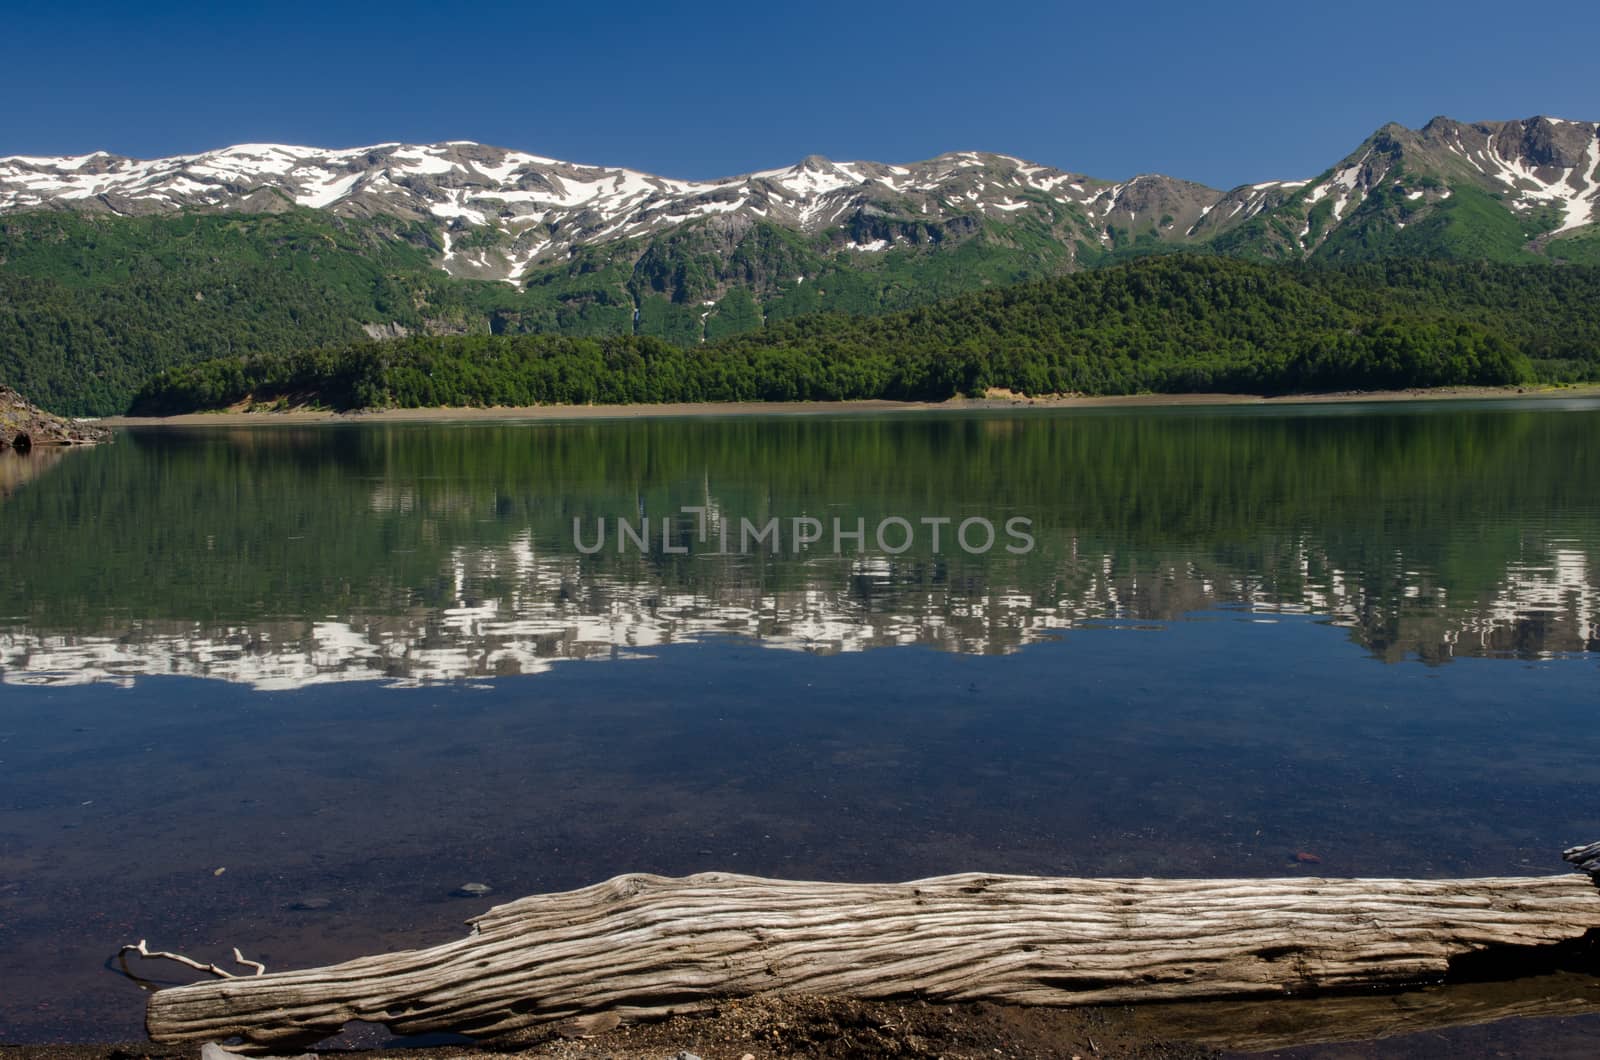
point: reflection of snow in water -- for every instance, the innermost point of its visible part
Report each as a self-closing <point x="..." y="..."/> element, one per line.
<point x="1555" y="594"/>
<point x="551" y="609"/>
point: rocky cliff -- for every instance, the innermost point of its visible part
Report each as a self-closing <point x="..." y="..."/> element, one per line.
<point x="24" y="426"/>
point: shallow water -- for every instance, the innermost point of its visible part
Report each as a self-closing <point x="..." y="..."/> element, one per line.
<point x="365" y="665"/>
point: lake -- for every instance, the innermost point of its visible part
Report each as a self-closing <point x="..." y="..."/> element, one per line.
<point x="289" y="688"/>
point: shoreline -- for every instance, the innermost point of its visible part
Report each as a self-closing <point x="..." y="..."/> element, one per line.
<point x="994" y="403"/>
<point x="762" y="1028"/>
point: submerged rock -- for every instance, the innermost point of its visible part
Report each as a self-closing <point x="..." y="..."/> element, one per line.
<point x="25" y="426"/>
<point x="473" y="890"/>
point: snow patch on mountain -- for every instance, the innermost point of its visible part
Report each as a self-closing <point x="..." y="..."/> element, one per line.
<point x="1575" y="189"/>
<point x="547" y="208"/>
<point x="325" y="190"/>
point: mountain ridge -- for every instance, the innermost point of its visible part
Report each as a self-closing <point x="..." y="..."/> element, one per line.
<point x="545" y="208"/>
<point x="503" y="214"/>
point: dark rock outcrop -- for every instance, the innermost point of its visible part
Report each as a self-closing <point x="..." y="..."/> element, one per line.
<point x="24" y="426"/>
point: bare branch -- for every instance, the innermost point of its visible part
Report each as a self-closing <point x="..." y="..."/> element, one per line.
<point x="240" y="958"/>
<point x="143" y="950"/>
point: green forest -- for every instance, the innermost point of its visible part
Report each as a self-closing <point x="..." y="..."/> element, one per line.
<point x="93" y="305"/>
<point x="1169" y="324"/>
<point x="218" y="308"/>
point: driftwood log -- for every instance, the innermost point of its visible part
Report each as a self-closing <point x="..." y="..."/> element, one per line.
<point x="642" y="946"/>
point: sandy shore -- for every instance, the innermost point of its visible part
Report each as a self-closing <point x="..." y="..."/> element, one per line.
<point x="997" y="401"/>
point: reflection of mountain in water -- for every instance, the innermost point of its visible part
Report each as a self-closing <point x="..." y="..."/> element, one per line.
<point x="280" y="557"/>
<point x="1539" y="611"/>
<point x="551" y="611"/>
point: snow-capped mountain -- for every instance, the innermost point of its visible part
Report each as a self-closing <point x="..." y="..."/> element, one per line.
<point x="1536" y="181"/>
<point x="500" y="214"/>
<point x="486" y="185"/>
<point x="111" y="267"/>
<point x="542" y="207"/>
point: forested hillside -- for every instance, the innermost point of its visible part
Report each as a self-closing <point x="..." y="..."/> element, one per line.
<point x="92" y="306"/>
<point x="1167" y="324"/>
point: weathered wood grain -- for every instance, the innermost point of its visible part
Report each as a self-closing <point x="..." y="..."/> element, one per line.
<point x="641" y="945"/>
<point x="1585" y="858"/>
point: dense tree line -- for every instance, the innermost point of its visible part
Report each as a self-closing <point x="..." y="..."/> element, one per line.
<point x="1168" y="324"/>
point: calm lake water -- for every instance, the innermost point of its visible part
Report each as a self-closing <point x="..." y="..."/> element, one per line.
<point x="359" y="666"/>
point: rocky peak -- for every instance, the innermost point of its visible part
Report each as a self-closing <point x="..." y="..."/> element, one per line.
<point x="1547" y="142"/>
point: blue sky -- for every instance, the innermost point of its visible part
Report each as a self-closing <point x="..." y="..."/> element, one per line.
<point x="1223" y="94"/>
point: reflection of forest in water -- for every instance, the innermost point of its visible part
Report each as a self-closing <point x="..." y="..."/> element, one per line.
<point x="279" y="557"/>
